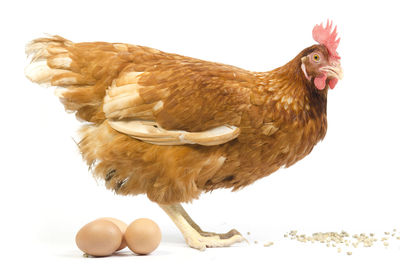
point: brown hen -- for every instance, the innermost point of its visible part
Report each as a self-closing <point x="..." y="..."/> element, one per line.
<point x="172" y="127"/>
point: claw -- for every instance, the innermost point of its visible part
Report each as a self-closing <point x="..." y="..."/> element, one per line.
<point x="202" y="242"/>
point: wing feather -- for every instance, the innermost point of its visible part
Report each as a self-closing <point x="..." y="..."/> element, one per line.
<point x="173" y="100"/>
<point x="150" y="132"/>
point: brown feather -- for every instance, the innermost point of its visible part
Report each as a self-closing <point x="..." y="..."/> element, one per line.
<point x="280" y="116"/>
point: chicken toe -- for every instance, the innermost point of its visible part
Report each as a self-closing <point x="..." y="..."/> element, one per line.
<point x="227" y="235"/>
<point x="197" y="241"/>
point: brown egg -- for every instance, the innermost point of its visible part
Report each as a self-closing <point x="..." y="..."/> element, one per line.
<point x="99" y="238"/>
<point x="121" y="225"/>
<point x="143" y="236"/>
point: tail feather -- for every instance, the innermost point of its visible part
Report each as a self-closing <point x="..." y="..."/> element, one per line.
<point x="81" y="72"/>
<point x="39" y="72"/>
<point x="41" y="48"/>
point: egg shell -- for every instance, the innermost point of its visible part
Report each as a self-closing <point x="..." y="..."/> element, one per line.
<point x="143" y="236"/>
<point x="121" y="225"/>
<point x="99" y="238"/>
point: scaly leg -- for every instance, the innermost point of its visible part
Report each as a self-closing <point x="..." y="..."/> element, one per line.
<point x="194" y="236"/>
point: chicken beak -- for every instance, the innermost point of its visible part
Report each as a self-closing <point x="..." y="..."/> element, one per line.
<point x="334" y="70"/>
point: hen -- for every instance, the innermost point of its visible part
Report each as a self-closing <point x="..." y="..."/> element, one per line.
<point x="172" y="127"/>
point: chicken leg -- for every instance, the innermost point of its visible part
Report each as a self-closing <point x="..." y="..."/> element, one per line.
<point x="195" y="237"/>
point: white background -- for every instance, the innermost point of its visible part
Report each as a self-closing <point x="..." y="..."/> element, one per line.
<point x="350" y="181"/>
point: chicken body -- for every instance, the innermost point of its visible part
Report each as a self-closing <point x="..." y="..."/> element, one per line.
<point x="173" y="127"/>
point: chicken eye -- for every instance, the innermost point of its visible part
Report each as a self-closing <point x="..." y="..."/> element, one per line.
<point x="316" y="57"/>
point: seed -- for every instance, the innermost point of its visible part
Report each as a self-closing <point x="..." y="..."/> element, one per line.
<point x="268" y="244"/>
<point x="342" y="239"/>
<point x="248" y="233"/>
<point x="256" y="242"/>
<point x="367" y="244"/>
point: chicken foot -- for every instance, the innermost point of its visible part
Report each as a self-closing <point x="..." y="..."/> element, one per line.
<point x="195" y="237"/>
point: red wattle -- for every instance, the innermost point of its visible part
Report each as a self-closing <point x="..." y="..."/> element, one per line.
<point x="319" y="81"/>
<point x="332" y="83"/>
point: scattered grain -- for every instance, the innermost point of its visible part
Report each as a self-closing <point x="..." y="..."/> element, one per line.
<point x="343" y="239"/>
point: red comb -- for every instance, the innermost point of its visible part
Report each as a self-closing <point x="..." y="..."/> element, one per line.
<point x="327" y="38"/>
